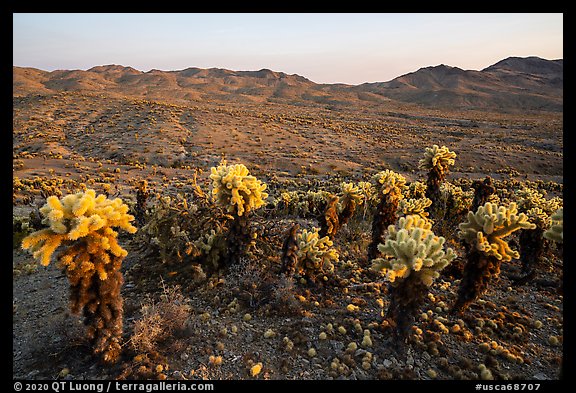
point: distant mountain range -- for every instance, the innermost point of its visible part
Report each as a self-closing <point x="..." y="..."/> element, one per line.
<point x="513" y="84"/>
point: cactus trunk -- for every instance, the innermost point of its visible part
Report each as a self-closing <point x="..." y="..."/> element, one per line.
<point x="102" y="307"/>
<point x="435" y="178"/>
<point x="141" y="201"/>
<point x="406" y="300"/>
<point x="239" y="238"/>
<point x="531" y="252"/>
<point x="329" y="221"/>
<point x="385" y="215"/>
<point x="478" y="272"/>
<point x="482" y="191"/>
<point x="289" y="252"/>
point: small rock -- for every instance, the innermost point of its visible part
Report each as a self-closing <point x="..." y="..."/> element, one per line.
<point x="410" y="360"/>
<point x="64" y="372"/>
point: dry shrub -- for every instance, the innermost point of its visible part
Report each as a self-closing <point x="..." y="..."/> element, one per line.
<point x="160" y="320"/>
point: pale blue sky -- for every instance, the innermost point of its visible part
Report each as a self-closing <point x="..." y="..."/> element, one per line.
<point x="323" y="47"/>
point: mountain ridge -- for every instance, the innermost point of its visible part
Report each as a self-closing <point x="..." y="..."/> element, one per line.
<point x="512" y="84"/>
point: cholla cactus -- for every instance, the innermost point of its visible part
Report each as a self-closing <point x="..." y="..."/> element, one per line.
<point x="303" y="204"/>
<point x="486" y="228"/>
<point x="170" y="228"/>
<point x="369" y="194"/>
<point x="532" y="242"/>
<point x="352" y="197"/>
<point x="408" y="207"/>
<point x="415" y="190"/>
<point x="290" y="251"/>
<point x="437" y="160"/>
<point x="414" y="256"/>
<point x="234" y="189"/>
<point x="390" y="185"/>
<point x="84" y="224"/>
<point x="389" y="182"/>
<point x="340" y="209"/>
<point x="556" y="230"/>
<point x="457" y="200"/>
<point x="212" y="245"/>
<point x="315" y="255"/>
<point x="141" y="200"/>
<point x="414" y="249"/>
<point x="329" y="220"/>
<point x="238" y="192"/>
<point x="484" y="232"/>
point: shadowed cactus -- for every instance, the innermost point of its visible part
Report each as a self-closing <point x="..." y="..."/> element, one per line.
<point x="484" y="231"/>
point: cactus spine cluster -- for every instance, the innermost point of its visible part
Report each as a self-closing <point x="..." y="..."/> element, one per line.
<point x="484" y="231"/>
<point x="235" y="189"/>
<point x="413" y="258"/>
<point x="92" y="257"/>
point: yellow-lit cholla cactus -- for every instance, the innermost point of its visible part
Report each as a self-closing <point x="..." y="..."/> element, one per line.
<point x="351" y="194"/>
<point x="408" y="207"/>
<point x="413" y="258"/>
<point x="415" y="190"/>
<point x="529" y="198"/>
<point x="414" y="250"/>
<point x="315" y="254"/>
<point x="484" y="231"/>
<point x="235" y="189"/>
<point x="437" y="161"/>
<point x="352" y="197"/>
<point x="437" y="157"/>
<point x="76" y="216"/>
<point x="388" y="181"/>
<point x="556" y="230"/>
<point x="85" y="223"/>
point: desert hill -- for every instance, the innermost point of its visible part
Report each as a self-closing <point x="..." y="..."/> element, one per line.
<point x="528" y="83"/>
<point x="513" y="84"/>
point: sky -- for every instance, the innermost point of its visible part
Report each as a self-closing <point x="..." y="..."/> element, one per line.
<point x="349" y="48"/>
